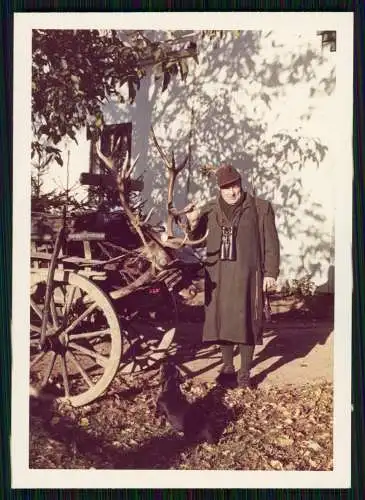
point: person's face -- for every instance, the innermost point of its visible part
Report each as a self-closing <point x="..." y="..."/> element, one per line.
<point x="231" y="193"/>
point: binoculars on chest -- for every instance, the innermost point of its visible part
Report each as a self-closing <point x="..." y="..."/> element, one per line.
<point x="228" y="243"/>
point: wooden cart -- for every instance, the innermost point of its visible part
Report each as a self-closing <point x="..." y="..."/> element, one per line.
<point x="96" y="307"/>
<point x="103" y="291"/>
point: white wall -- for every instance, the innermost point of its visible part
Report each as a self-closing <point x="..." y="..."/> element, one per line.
<point x="264" y="102"/>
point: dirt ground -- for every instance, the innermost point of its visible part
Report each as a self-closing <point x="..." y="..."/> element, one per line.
<point x="285" y="424"/>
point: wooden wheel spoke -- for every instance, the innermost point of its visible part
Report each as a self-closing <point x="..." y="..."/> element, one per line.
<point x="35" y="329"/>
<point x="69" y="297"/>
<point x="37" y="358"/>
<point x="148" y="337"/>
<point x="80" y="369"/>
<point x="129" y="367"/>
<point x="65" y="376"/>
<point x="82" y="316"/>
<point x="54" y="313"/>
<point x="89" y="335"/>
<point x="99" y="358"/>
<point x="104" y="250"/>
<point x="36" y="309"/>
<point x="88" y="343"/>
<point x="49" y="369"/>
<point x="38" y="312"/>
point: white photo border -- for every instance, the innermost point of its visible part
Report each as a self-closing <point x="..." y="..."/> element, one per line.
<point x="22" y="475"/>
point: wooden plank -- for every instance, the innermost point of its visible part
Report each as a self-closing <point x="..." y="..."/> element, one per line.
<point x="70" y="260"/>
<point x="86" y="236"/>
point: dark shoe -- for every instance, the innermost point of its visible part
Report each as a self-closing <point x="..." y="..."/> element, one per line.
<point x="228" y="380"/>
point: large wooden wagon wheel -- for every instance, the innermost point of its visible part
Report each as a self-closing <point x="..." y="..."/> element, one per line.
<point x="148" y="320"/>
<point x="83" y="345"/>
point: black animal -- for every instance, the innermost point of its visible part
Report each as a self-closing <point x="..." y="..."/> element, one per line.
<point x="173" y="406"/>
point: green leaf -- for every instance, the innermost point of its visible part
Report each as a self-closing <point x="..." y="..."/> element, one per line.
<point x="43" y="129"/>
<point x="184" y="69"/>
<point x="166" y="80"/>
<point x="59" y="160"/>
<point x="72" y="135"/>
<point x="47" y="161"/>
<point x="51" y="149"/>
<point x="85" y="68"/>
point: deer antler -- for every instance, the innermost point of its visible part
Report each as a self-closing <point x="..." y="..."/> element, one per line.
<point x="122" y="176"/>
<point x="148" y="216"/>
<point x="174" y="215"/>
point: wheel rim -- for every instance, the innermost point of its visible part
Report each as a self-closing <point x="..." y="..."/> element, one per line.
<point x="148" y="322"/>
<point x="83" y="343"/>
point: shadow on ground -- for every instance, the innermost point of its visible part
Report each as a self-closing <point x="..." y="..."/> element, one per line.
<point x="288" y="342"/>
<point x="297" y="326"/>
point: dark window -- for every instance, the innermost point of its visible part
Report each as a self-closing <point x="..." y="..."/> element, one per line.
<point x="109" y="137"/>
<point x="328" y="39"/>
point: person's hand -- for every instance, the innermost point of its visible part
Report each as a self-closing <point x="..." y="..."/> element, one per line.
<point x="269" y="283"/>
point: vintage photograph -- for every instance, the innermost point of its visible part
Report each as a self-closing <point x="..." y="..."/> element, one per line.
<point x="183" y="194"/>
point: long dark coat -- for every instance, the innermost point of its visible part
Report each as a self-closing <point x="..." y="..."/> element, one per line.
<point x="233" y="289"/>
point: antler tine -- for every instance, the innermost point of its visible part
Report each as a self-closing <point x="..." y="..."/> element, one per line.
<point x="115" y="147"/>
<point x="179" y="167"/>
<point x="177" y="243"/>
<point x="108" y="161"/>
<point x="133" y="166"/>
<point x="160" y="150"/>
<point x="124" y="169"/>
<point x="184" y="210"/>
<point x="170" y="204"/>
<point x="121" y="177"/>
<point x="173" y="163"/>
<point x="148" y="216"/>
<point x="173" y="215"/>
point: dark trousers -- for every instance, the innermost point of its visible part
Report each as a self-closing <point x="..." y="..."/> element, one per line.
<point x="246" y="352"/>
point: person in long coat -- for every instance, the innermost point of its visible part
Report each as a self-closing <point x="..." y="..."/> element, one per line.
<point x="243" y="255"/>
